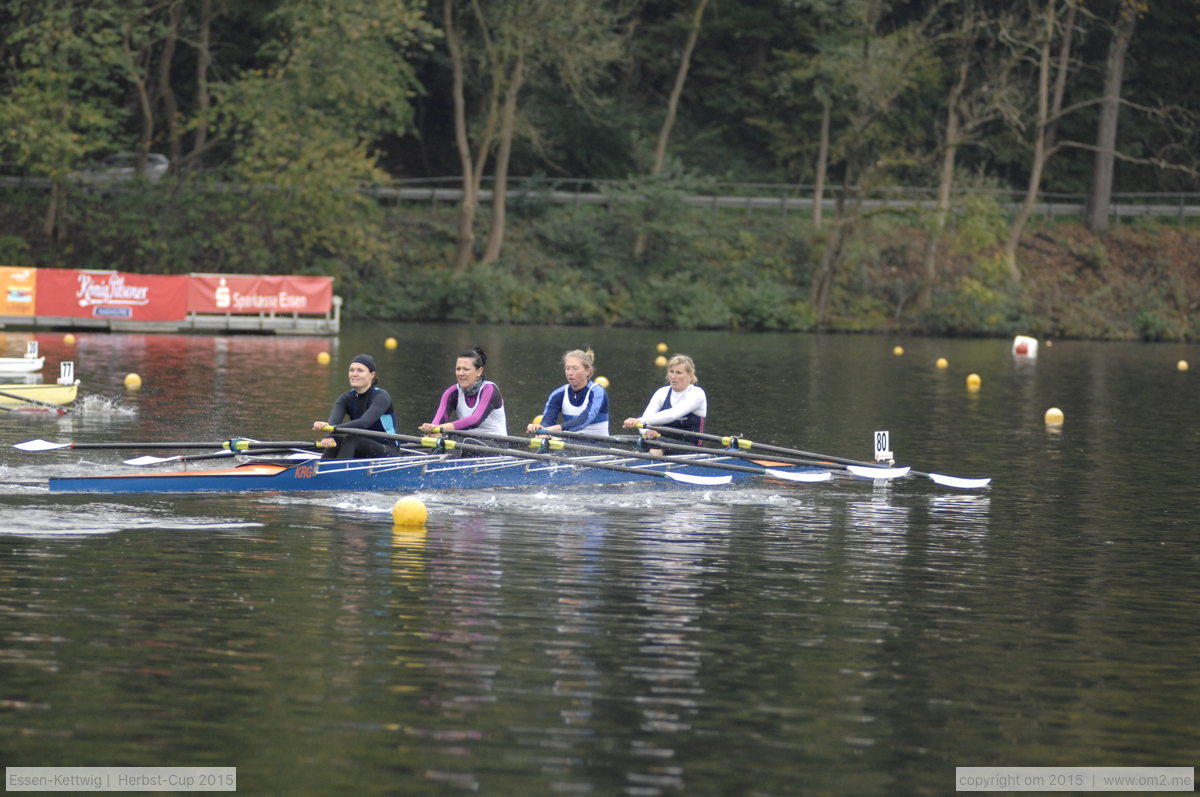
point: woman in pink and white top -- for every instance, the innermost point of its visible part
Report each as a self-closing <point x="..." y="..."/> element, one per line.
<point x="475" y="401"/>
<point x="680" y="404"/>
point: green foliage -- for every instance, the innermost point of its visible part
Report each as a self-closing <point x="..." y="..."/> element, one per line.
<point x="58" y="71"/>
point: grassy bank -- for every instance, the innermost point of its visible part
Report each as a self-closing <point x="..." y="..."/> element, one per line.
<point x="709" y="269"/>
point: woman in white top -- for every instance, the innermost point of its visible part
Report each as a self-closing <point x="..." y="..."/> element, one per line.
<point x="680" y="403"/>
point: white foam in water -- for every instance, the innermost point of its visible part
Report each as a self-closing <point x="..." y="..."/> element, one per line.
<point x="95" y="405"/>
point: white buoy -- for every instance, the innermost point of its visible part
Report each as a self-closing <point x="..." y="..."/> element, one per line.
<point x="1024" y="346"/>
<point x="1054" y="417"/>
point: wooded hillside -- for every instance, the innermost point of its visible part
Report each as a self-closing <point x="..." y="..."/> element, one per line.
<point x="274" y="113"/>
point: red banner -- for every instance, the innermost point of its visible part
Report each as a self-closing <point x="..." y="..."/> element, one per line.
<point x="242" y="293"/>
<point x="111" y="295"/>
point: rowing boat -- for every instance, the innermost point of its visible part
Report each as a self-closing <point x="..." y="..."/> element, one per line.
<point x="16" y="394"/>
<point x="21" y="365"/>
<point x="417" y="472"/>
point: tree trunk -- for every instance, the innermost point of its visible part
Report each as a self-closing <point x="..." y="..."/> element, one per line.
<point x="50" y="220"/>
<point x="508" y="121"/>
<point x="822" y="162"/>
<point x="139" y="81"/>
<point x="823" y="282"/>
<point x="945" y="182"/>
<point x="165" y="91"/>
<point x="203" y="61"/>
<point x="664" y="132"/>
<point x="1100" y="193"/>
<point x="465" y="251"/>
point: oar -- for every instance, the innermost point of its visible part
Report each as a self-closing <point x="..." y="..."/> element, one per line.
<point x="148" y="460"/>
<point x="450" y="445"/>
<point x="236" y="444"/>
<point x="558" y="445"/>
<point x="859" y="468"/>
<point x="45" y="405"/>
<point x="686" y="448"/>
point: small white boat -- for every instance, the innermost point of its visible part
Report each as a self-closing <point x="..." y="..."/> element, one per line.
<point x="21" y="365"/>
<point x="31" y="362"/>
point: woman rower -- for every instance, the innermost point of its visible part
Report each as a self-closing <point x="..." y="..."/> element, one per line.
<point x="368" y="406"/>
<point x="476" y="401"/>
<point x="581" y="403"/>
<point x="680" y="404"/>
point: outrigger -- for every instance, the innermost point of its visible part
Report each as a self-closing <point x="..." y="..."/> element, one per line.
<point x="434" y="463"/>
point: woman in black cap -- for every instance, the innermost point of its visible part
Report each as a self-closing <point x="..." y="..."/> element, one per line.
<point x="368" y="406"/>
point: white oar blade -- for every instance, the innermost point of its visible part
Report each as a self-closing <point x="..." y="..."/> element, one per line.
<point x="871" y="472"/>
<point x="959" y="482"/>
<point x="139" y="461"/>
<point x="800" y="476"/>
<point x="702" y="481"/>
<point x="40" y="445"/>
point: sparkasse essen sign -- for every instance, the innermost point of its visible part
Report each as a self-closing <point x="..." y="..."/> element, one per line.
<point x="245" y="293"/>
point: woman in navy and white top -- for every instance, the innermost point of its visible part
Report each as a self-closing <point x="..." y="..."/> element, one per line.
<point x="580" y="403"/>
<point x="475" y="401"/>
<point x="680" y="404"/>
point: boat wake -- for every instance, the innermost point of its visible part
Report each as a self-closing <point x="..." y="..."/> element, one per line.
<point x="59" y="522"/>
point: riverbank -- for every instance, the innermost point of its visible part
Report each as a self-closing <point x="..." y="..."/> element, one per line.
<point x="702" y="269"/>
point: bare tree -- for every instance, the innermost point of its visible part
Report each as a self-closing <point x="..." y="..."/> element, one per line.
<point x="970" y="104"/>
<point x="1049" y="110"/>
<point x="664" y="132"/>
<point x="512" y="42"/>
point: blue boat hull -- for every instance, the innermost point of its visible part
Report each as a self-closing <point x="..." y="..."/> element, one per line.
<point x="407" y="474"/>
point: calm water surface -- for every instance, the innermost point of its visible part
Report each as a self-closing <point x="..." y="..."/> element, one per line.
<point x="843" y="638"/>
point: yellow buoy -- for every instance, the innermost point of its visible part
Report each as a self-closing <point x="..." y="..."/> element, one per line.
<point x="390" y="343"/>
<point x="897" y="350"/>
<point x="1054" y="417"/>
<point x="662" y="348"/>
<point x="660" y="361"/>
<point x="602" y="381"/>
<point x="973" y="382"/>
<point x="409" y="511"/>
<point x="537" y="420"/>
<point x="69" y="339"/>
<point x="942" y="362"/>
<point x="323" y="358"/>
<point x="1181" y="365"/>
<point x="132" y="381"/>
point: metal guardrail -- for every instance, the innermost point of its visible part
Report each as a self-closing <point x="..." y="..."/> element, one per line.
<point x="747" y="197"/>
<point x="782" y="198"/>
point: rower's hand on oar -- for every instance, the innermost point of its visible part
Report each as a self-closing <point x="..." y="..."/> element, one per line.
<point x="636" y="423"/>
<point x="537" y="429"/>
<point x="429" y="428"/>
